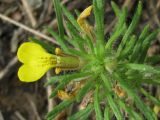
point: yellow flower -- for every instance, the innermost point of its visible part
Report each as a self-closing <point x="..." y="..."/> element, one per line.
<point x="81" y="20"/>
<point x="36" y="61"/>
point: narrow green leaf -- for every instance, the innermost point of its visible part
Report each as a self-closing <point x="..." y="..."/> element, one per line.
<point x="153" y="99"/>
<point x="82" y="114"/>
<point x="58" y="38"/>
<point x="140" y="105"/>
<point x="67" y="79"/>
<point x="115" y="8"/>
<point x="129" y="48"/>
<point x="142" y="67"/>
<point x="97" y="105"/>
<point x="77" y="12"/>
<point x="131" y="28"/>
<point x="138" y="45"/>
<point x="132" y="114"/>
<point x="110" y="100"/>
<point x="77" y="41"/>
<point x="100" y="4"/>
<point x="107" y="113"/>
<point x="71" y="18"/>
<point x="54" y="79"/>
<point x="118" y="30"/>
<point x="59" y="108"/>
<point x="76" y="52"/>
<point x="114" y="107"/>
<point x="89" y="85"/>
<point x="146" y="44"/>
<point x="118" y="12"/>
<point x="89" y="44"/>
<point x="155" y="59"/>
<point x="57" y="8"/>
<point x="72" y="42"/>
<point x="98" y="7"/>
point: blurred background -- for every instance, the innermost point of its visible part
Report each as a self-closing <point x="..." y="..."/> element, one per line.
<point x="21" y="19"/>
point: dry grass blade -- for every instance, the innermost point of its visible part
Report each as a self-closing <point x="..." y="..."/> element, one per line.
<point x="35" y="32"/>
<point x="28" y="10"/>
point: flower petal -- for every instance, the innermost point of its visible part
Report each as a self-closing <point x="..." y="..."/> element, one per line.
<point x="84" y="15"/>
<point x="30" y="73"/>
<point x="83" y="24"/>
<point x="30" y="51"/>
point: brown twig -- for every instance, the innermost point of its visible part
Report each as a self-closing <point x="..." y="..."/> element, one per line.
<point x="51" y="102"/>
<point x="15" y="40"/>
<point x="28" y="10"/>
<point x="37" y="33"/>
<point x="1" y="116"/>
<point x="46" y="11"/>
<point x="19" y="116"/>
<point x="158" y="5"/>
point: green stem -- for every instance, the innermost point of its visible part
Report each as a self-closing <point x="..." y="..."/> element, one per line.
<point x="68" y="62"/>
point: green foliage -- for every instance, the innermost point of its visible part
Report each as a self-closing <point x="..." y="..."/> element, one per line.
<point x="105" y="68"/>
<point x="98" y="8"/>
<point x="131" y="27"/>
<point x="82" y="114"/>
<point x="118" y="29"/>
<point x="138" y="102"/>
<point x="97" y="105"/>
<point x="82" y="92"/>
<point x="65" y="80"/>
<point x="107" y="113"/>
<point x="58" y="38"/>
<point x="58" y="11"/>
<point x="111" y="102"/>
<point x="71" y="18"/>
<point x="58" y="109"/>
